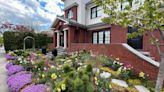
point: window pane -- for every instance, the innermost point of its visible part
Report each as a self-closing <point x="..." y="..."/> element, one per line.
<point x="93" y="15"/>
<point x="101" y="37"/>
<point x="94" y="38"/>
<point x="70" y="14"/>
<point x="98" y="8"/>
<point x="99" y="13"/>
<point x="107" y="37"/>
<point x="93" y="9"/>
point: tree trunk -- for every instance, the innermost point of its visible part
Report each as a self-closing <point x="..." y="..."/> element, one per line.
<point x="160" y="77"/>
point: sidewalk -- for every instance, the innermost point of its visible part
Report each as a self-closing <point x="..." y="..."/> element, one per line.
<point x="3" y="73"/>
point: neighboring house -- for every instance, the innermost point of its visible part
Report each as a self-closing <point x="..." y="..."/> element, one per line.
<point x="82" y="28"/>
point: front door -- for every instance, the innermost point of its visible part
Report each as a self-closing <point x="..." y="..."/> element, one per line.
<point x="136" y="43"/>
<point x="62" y="38"/>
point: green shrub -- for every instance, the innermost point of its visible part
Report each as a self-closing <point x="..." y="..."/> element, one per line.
<point x="67" y="68"/>
<point x="15" y="40"/>
<point x="89" y="68"/>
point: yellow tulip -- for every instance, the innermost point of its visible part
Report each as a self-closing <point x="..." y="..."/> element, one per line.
<point x="43" y="75"/>
<point x="63" y="87"/>
<point x="54" y="76"/>
<point x="58" y="89"/>
<point x="95" y="78"/>
<point x="142" y="74"/>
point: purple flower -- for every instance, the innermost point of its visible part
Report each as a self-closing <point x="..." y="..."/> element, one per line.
<point x="8" y="65"/>
<point x="35" y="88"/>
<point x="14" y="69"/>
<point x="19" y="80"/>
<point x="9" y="57"/>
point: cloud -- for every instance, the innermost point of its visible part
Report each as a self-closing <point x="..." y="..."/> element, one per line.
<point x="40" y="12"/>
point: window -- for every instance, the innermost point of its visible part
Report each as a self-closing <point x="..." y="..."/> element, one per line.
<point x="70" y="14"/>
<point x="96" y="12"/>
<point x="95" y="38"/>
<point x="107" y="37"/>
<point x="101" y="37"/>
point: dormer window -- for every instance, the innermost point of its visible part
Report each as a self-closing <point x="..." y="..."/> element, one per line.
<point x="70" y="14"/>
<point x="95" y="12"/>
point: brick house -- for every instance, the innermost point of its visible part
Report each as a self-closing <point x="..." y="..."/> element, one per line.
<point x="81" y="28"/>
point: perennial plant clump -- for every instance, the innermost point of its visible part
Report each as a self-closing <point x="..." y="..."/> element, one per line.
<point x="35" y="88"/>
<point x="9" y="65"/>
<point x="14" y="69"/>
<point x="19" y="80"/>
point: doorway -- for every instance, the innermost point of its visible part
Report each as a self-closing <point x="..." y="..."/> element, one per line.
<point x="136" y="43"/>
<point x="61" y="36"/>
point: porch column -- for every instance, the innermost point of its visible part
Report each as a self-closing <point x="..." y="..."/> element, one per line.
<point x="65" y="37"/>
<point x="57" y="31"/>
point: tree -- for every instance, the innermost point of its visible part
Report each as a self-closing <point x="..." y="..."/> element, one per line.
<point x="145" y="15"/>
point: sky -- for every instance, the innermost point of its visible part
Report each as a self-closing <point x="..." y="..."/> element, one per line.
<point x="36" y="13"/>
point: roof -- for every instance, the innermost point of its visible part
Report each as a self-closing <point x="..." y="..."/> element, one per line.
<point x="67" y="21"/>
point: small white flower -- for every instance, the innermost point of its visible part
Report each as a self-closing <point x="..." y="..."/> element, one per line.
<point x="52" y="66"/>
<point x="124" y="68"/>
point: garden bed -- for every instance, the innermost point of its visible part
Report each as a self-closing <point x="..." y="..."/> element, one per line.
<point x="76" y="72"/>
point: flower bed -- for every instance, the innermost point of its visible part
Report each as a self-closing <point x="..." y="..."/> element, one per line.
<point x="76" y="72"/>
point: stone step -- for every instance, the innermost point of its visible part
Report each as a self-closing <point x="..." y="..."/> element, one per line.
<point x="141" y="88"/>
<point x="145" y="53"/>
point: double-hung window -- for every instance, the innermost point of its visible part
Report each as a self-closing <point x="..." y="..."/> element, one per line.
<point x="101" y="37"/>
<point x="95" y="38"/>
<point x="70" y="14"/>
<point x="96" y="12"/>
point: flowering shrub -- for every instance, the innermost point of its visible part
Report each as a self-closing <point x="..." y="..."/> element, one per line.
<point x="19" y="80"/>
<point x="35" y="88"/>
<point x="14" y="69"/>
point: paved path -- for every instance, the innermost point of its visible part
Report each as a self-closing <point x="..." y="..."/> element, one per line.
<point x="3" y="74"/>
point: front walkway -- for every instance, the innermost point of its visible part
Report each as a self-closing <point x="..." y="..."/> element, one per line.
<point x="3" y="72"/>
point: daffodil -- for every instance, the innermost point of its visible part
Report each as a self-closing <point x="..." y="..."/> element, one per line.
<point x="95" y="78"/>
<point x="119" y="70"/>
<point x="96" y="83"/>
<point x="142" y="74"/>
<point x="53" y="76"/>
<point x="58" y="89"/>
<point x="43" y="75"/>
<point x="63" y="87"/>
<point x="110" y="86"/>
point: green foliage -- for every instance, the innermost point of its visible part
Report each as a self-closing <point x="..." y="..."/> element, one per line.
<point x="1" y="40"/>
<point x="146" y="16"/>
<point x="67" y="68"/>
<point x="89" y="68"/>
<point x="14" y="40"/>
<point x="126" y="74"/>
<point x="103" y="86"/>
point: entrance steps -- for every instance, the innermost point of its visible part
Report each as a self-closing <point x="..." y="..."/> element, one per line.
<point x="147" y="54"/>
<point x="61" y="51"/>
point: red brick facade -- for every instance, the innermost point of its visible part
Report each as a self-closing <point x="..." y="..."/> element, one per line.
<point x="116" y="50"/>
<point x="80" y="38"/>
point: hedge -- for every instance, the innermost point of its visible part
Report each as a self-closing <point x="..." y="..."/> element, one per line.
<point x="14" y="40"/>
